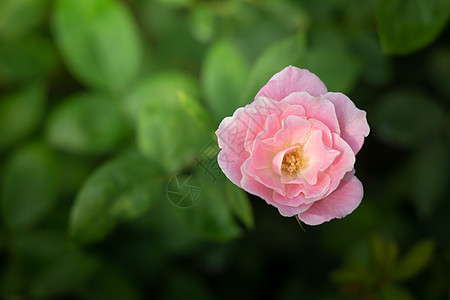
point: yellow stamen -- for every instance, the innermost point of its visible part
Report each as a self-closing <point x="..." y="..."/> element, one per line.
<point x="293" y="162"/>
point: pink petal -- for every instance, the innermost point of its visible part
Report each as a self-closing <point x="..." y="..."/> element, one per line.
<point x="352" y="121"/>
<point x="319" y="157"/>
<point x="317" y="108"/>
<point x="266" y="176"/>
<point x="338" y="204"/>
<point x="290" y="80"/>
<point x="294" y="131"/>
<point x="308" y="193"/>
<point x="259" y="110"/>
<point x="260" y="156"/>
<point x="343" y="163"/>
<point x="231" y="137"/>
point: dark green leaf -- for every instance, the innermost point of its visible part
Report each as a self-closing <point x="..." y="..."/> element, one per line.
<point x="240" y="204"/>
<point x="35" y="168"/>
<point x="396" y="119"/>
<point x="287" y="52"/>
<point x="30" y="58"/>
<point x="211" y="211"/>
<point x="408" y="25"/>
<point x="429" y="176"/>
<point x="394" y="292"/>
<point x="86" y="124"/>
<point x="99" y="42"/>
<point x="20" y="113"/>
<point x="172" y="128"/>
<point x="414" y="261"/>
<point x="185" y="285"/>
<point x="19" y="17"/>
<point x="64" y="275"/>
<point x="122" y="189"/>
<point x="225" y="73"/>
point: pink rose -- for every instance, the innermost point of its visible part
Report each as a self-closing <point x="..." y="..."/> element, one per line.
<point x="294" y="146"/>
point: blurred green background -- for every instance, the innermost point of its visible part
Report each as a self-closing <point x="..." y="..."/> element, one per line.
<point x="109" y="182"/>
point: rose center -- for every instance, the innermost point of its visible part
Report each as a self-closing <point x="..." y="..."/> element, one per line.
<point x="293" y="162"/>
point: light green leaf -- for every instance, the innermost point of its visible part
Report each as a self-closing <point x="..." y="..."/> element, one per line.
<point x="122" y="189"/>
<point x="99" y="42"/>
<point x="408" y="25"/>
<point x="287" y="52"/>
<point x="20" y="114"/>
<point x="19" y="17"/>
<point x="224" y="75"/>
<point x="86" y="124"/>
<point x="29" y="186"/>
<point x="172" y="128"/>
<point x="26" y="59"/>
<point x="334" y="65"/>
<point x="414" y="261"/>
<point x="396" y="121"/>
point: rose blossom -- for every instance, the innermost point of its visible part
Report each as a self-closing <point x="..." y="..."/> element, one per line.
<point x="294" y="146"/>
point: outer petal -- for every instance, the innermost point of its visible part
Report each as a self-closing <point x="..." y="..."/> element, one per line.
<point x="318" y="108"/>
<point x="352" y="121"/>
<point x="231" y="137"/>
<point x="290" y="80"/>
<point x="338" y="204"/>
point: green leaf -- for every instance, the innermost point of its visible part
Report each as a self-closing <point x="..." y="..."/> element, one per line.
<point x="329" y="59"/>
<point x="99" y="42"/>
<point x="162" y="87"/>
<point x="394" y="292"/>
<point x="224" y="75"/>
<point x="86" y="123"/>
<point x="287" y="52"/>
<point x="384" y="254"/>
<point x="19" y="17"/>
<point x="122" y="189"/>
<point x="212" y="210"/>
<point x="64" y="276"/>
<point x="185" y="285"/>
<point x="172" y="128"/>
<point x="35" y="168"/>
<point x="240" y="204"/>
<point x="429" y="176"/>
<point x="396" y="121"/>
<point x="26" y="59"/>
<point x="414" y="261"/>
<point x="408" y="25"/>
<point x="20" y="114"/>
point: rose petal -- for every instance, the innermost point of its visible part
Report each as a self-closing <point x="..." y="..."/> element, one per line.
<point x="338" y="204"/>
<point x="266" y="176"/>
<point x="231" y="137"/>
<point x="352" y="121"/>
<point x="290" y="80"/>
<point x="294" y="131"/>
<point x="342" y="164"/>
<point x="319" y="157"/>
<point x="318" y="108"/>
<point x="278" y="159"/>
<point x="260" y="156"/>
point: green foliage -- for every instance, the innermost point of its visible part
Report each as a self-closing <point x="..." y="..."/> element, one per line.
<point x="99" y="42"/>
<point x="225" y="72"/>
<point x="86" y="123"/>
<point x="19" y="17"/>
<point x="408" y="25"/>
<point x="20" y="113"/>
<point x="109" y="183"/>
<point x="124" y="188"/>
<point x="34" y="167"/>
<point x="289" y="51"/>
<point x="172" y="127"/>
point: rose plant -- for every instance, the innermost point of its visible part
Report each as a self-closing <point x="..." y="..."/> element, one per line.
<point x="294" y="146"/>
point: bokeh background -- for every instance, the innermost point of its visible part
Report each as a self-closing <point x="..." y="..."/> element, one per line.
<point x="109" y="183"/>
